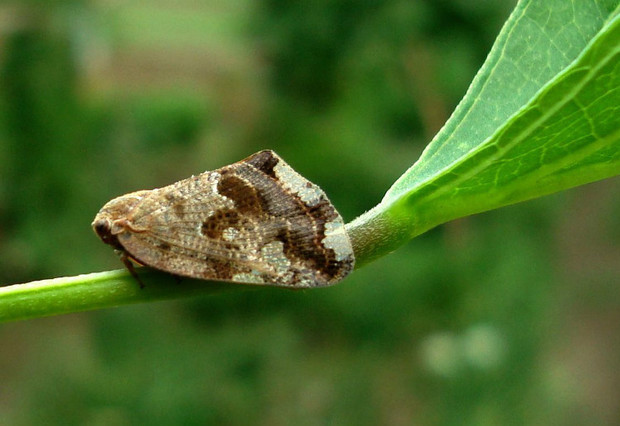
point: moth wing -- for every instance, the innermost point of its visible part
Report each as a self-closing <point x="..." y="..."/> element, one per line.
<point x="241" y="223"/>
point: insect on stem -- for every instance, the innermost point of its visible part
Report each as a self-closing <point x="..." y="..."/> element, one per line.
<point x="256" y="221"/>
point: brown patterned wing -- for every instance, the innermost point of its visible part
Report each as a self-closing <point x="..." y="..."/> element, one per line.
<point x="256" y="221"/>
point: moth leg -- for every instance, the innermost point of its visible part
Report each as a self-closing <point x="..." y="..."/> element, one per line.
<point x="129" y="265"/>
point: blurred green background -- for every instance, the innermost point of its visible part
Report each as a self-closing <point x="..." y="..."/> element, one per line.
<point x="508" y="317"/>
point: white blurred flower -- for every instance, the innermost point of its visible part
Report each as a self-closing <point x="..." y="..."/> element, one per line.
<point x="440" y="354"/>
<point x="483" y="346"/>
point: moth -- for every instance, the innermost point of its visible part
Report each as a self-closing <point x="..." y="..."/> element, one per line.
<point x="256" y="221"/>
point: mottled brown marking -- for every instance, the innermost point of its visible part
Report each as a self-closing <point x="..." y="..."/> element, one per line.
<point x="247" y="199"/>
<point x="179" y="209"/>
<point x="301" y="244"/>
<point x="264" y="161"/>
<point x="210" y="229"/>
<point x="222" y="269"/>
<point x="218" y="222"/>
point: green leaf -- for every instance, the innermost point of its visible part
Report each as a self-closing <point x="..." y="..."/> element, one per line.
<point x="541" y="116"/>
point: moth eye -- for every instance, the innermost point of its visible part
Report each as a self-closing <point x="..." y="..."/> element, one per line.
<point x="102" y="228"/>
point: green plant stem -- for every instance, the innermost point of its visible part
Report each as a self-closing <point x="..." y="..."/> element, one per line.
<point x="98" y="290"/>
<point x="378" y="232"/>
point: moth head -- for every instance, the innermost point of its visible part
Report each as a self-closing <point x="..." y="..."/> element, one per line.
<point x="113" y="218"/>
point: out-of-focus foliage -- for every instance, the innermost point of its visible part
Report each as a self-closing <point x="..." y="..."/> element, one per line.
<point x="509" y="317"/>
